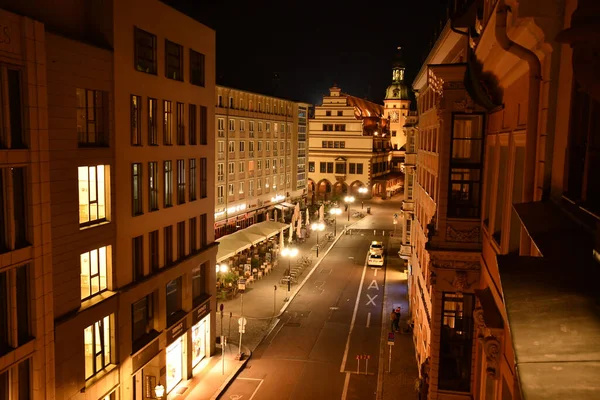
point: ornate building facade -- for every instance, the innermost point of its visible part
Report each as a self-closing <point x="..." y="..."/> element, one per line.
<point x="261" y="148"/>
<point x="349" y="148"/>
<point x="506" y="196"/>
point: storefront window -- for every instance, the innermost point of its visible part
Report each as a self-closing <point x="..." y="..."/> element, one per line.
<point x="199" y="335"/>
<point x="174" y="363"/>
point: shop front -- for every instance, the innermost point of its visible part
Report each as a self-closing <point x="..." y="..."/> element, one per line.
<point x="176" y="354"/>
<point x="146" y="366"/>
<point x="200" y="333"/>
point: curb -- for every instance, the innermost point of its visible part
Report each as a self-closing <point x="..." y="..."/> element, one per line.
<point x="231" y="377"/>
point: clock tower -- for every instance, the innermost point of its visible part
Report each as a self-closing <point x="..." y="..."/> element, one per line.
<point x="397" y="102"/>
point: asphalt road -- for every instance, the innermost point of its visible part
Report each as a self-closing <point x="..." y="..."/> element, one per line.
<point x="335" y="318"/>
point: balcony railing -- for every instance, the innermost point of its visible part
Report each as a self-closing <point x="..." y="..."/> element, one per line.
<point x="242" y="134"/>
<point x="220" y="155"/>
<point x="242" y="154"/>
<point x="241" y="175"/>
<point x="251" y="154"/>
<point x="231" y="177"/>
<point x="232" y="155"/>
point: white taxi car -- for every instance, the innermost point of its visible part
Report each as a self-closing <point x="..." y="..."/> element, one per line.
<point x="376" y="247"/>
<point x="375" y="260"/>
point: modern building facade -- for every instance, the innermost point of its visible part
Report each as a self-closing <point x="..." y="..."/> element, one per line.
<point x="261" y="157"/>
<point x="506" y="197"/>
<point x="26" y="250"/>
<point x="349" y="148"/>
<point x="130" y="175"/>
<point x="408" y="168"/>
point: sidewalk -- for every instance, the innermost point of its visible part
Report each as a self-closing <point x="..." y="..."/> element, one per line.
<point x="400" y="382"/>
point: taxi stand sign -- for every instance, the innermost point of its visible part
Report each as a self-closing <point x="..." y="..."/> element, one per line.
<point x="391" y="338"/>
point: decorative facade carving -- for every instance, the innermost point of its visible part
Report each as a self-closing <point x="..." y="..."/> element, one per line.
<point x="491" y="348"/>
<point x="466" y="105"/>
<point x="456" y="264"/>
<point x="472" y="235"/>
<point x="461" y="281"/>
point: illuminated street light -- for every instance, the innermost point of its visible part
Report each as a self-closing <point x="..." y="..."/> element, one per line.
<point x="159" y="391"/>
<point x="362" y="191"/>
<point x="317" y="227"/>
<point x="289" y="253"/>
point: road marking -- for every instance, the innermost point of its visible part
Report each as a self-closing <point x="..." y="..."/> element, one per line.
<point x="373" y="285"/>
<point x="371" y="299"/>
<point x="362" y="280"/>
<point x="368" y="319"/>
<point x="346" y="384"/>
<point x="256" y="390"/>
<point x="374" y="271"/>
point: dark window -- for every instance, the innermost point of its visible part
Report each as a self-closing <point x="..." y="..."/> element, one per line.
<point x="329" y="167"/>
<point x="173" y="61"/>
<point x="4" y="314"/>
<point x="153" y="185"/>
<point x="168" y="245"/>
<point x="145" y="51"/>
<point x="466" y="165"/>
<point x="173" y="300"/>
<point x="340" y="113"/>
<point x="193" y="234"/>
<point x="203" y="230"/>
<point x="4" y="385"/>
<point x="198" y="283"/>
<point x="323" y="167"/>
<point x="24" y="380"/>
<point x="167" y="123"/>
<point x="136" y="195"/>
<point x="203" y="125"/>
<point x="456" y="342"/>
<point x="168" y="176"/>
<point x="181" y="240"/>
<point x="193" y="126"/>
<point x="583" y="152"/>
<point x="152" y="122"/>
<point x="153" y="242"/>
<point x="23" y="292"/>
<point x="19" y="205"/>
<point x="180" y="181"/>
<point x="91" y="117"/>
<point x="340" y="168"/>
<point x="359" y="169"/>
<point x="3" y="221"/>
<point x="328" y="127"/>
<point x="142" y="320"/>
<point x="15" y="109"/>
<point x="137" y="252"/>
<point x="328" y="113"/>
<point x="352" y="168"/>
<point x="136" y="120"/>
<point x="193" y="178"/>
<point x="340" y="127"/>
<point x="197" y="69"/>
<point x="311" y="166"/>
<point x="181" y="124"/>
<point x="203" y="178"/>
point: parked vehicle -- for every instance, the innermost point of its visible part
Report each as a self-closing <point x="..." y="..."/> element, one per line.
<point x="376" y="247"/>
<point x="375" y="260"/>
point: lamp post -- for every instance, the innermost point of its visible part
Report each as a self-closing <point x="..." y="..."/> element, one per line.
<point x="289" y="253"/>
<point x="335" y="212"/>
<point x="317" y="227"/>
<point x="362" y="191"/>
<point x="159" y="391"/>
<point x="221" y="268"/>
<point x="349" y="200"/>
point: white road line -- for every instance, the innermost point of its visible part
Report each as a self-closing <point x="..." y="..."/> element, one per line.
<point x="258" y="387"/>
<point x="374" y="271"/>
<point x="346" y="384"/>
<point x="250" y="379"/>
<point x="362" y="279"/>
<point x="368" y="319"/>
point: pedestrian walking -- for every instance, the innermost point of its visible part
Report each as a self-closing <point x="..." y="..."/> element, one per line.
<point x="398" y="315"/>
<point x="394" y="321"/>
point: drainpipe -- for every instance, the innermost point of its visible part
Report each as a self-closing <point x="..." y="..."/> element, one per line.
<point x="535" y="74"/>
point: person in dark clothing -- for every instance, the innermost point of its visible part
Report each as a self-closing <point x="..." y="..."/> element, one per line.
<point x="394" y="320"/>
<point x="398" y="315"/>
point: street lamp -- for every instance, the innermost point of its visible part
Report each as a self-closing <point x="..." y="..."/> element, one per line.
<point x="349" y="200"/>
<point x="335" y="212"/>
<point x="317" y="228"/>
<point x="362" y="190"/>
<point x="159" y="391"/>
<point x="289" y="253"/>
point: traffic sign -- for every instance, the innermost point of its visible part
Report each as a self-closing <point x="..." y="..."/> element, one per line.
<point x="391" y="338"/>
<point x="395" y="215"/>
<point x="242" y="321"/>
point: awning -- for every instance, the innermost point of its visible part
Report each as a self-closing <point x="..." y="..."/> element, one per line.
<point x="279" y="207"/>
<point x="289" y="205"/>
<point x="243" y="239"/>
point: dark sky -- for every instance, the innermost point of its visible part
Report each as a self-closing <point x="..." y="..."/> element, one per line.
<point x="311" y="45"/>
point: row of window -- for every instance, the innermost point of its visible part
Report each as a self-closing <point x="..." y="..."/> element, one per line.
<point x="283" y="145"/>
<point x="269" y="183"/>
<point x="277" y="127"/>
<point x="329" y="144"/>
<point x="340" y="167"/>
<point x="334" y="127"/>
<point x="339" y="113"/>
<point x="275" y="110"/>
<point x="197" y="122"/>
<point x="251" y="167"/>
<point x="145" y="58"/>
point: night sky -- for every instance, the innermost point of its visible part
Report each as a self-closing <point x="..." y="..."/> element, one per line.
<point x="310" y="45"/>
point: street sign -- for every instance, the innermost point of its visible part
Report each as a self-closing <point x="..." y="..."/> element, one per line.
<point x="395" y="215"/>
<point x="391" y="338"/>
<point x="242" y="321"/>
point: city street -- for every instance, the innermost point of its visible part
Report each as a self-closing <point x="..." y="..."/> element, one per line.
<point x="333" y="326"/>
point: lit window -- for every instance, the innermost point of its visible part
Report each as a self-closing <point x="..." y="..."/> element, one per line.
<point x="93" y="272"/>
<point x="92" y="194"/>
<point x="97" y="347"/>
